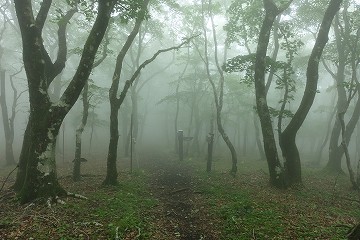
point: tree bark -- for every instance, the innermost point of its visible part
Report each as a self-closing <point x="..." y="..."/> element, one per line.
<point x="218" y="94"/>
<point x="78" y="135"/>
<point x="115" y="102"/>
<point x="288" y="137"/>
<point x="274" y="165"/>
<point x="9" y="135"/>
<point x="38" y="153"/>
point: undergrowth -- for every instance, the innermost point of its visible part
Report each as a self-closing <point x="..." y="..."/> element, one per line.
<point x="250" y="209"/>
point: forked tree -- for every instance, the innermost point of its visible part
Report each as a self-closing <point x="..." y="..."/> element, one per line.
<point x="36" y="176"/>
<point x="290" y="173"/>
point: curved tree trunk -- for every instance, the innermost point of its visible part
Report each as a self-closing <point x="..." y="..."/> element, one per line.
<point x="218" y="94"/>
<point x="288" y="137"/>
<point x="342" y="42"/>
<point x="274" y="165"/>
<point x="115" y="102"/>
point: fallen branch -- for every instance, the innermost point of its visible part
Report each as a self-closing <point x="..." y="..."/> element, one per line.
<point x="74" y="195"/>
<point x="179" y="190"/>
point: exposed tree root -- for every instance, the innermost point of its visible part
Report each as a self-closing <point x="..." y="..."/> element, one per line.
<point x="57" y="199"/>
<point x="75" y="195"/>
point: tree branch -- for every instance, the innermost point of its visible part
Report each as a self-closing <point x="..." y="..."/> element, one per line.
<point x="42" y="15"/>
<point x="59" y="64"/>
<point x="129" y="82"/>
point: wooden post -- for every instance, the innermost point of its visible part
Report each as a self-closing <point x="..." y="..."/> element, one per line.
<point x="181" y="144"/>
<point x="210" y="140"/>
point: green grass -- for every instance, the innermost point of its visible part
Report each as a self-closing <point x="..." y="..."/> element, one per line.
<point x="241" y="217"/>
<point x="249" y="208"/>
<point x="109" y="211"/>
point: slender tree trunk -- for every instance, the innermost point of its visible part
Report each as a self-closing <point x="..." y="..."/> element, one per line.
<point x="9" y="136"/>
<point x="353" y="181"/>
<point x="218" y="96"/>
<point x="135" y="119"/>
<point x="326" y="139"/>
<point x="335" y="155"/>
<point x="275" y="168"/>
<point x="111" y="168"/>
<point x="115" y="103"/>
<point x="79" y="131"/>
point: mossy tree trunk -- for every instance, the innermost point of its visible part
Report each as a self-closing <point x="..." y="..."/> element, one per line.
<point x="37" y="169"/>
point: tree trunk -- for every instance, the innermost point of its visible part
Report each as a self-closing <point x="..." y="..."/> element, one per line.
<point x="334" y="163"/>
<point x="218" y="94"/>
<point x="38" y="178"/>
<point x="288" y="137"/>
<point x="41" y="180"/>
<point x="9" y="136"/>
<point x="353" y="181"/>
<point x="257" y="138"/>
<point x="111" y="169"/>
<point x="115" y="102"/>
<point x="79" y="131"/>
<point x="275" y="168"/>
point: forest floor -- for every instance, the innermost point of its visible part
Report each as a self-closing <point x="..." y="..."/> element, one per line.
<point x="167" y="199"/>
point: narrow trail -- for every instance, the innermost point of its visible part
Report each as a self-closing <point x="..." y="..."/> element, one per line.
<point x="181" y="212"/>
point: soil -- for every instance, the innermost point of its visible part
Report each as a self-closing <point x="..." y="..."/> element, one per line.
<point x="181" y="212"/>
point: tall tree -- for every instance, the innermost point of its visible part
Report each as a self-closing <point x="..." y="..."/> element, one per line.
<point x="218" y="92"/>
<point x="341" y="54"/>
<point x="288" y="137"/>
<point x="274" y="165"/>
<point x="37" y="170"/>
<point x="115" y="102"/>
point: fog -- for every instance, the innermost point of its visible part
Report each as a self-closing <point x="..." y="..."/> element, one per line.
<point x="157" y="98"/>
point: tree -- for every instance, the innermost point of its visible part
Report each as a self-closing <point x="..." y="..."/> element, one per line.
<point x="9" y="121"/>
<point x="290" y="174"/>
<point x="36" y="176"/>
<point x="288" y="137"/>
<point x="117" y="100"/>
<point x="218" y="92"/>
<point x="343" y="54"/>
<point x="274" y="165"/>
<point x="86" y="105"/>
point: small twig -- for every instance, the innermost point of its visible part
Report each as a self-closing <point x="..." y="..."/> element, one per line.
<point x="179" y="190"/>
<point x="8" y="177"/>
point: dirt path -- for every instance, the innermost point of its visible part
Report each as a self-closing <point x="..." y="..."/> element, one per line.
<point x="181" y="212"/>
